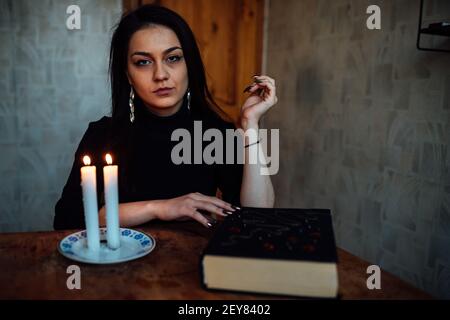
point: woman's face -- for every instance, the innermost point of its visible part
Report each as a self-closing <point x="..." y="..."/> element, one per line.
<point x="155" y="61"/>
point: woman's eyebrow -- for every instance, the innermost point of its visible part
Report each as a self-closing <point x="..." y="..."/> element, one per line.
<point x="148" y="54"/>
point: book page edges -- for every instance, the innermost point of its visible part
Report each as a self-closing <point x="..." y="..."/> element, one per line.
<point x="299" y="278"/>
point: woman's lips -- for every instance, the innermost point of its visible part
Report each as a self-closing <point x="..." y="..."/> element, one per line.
<point x="163" y="92"/>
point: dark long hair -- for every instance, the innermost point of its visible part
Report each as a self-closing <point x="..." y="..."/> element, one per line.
<point x="144" y="16"/>
<point x="122" y="132"/>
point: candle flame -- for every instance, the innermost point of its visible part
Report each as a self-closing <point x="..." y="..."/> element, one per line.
<point x="108" y="159"/>
<point x="86" y="160"/>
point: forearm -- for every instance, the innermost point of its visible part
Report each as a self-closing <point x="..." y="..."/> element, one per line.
<point x="133" y="213"/>
<point x="256" y="188"/>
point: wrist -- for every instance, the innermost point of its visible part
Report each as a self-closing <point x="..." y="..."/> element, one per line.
<point x="251" y="135"/>
<point x="154" y="209"/>
<point x="250" y="126"/>
<point x="252" y="143"/>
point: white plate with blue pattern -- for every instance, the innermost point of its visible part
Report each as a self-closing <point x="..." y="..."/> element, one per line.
<point x="133" y="244"/>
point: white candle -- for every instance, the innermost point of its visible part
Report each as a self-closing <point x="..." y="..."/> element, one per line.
<point x="89" y="187"/>
<point x="111" y="204"/>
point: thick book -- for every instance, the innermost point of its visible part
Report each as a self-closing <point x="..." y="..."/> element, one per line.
<point x="273" y="251"/>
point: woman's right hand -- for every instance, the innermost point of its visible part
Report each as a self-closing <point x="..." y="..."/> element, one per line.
<point x="188" y="206"/>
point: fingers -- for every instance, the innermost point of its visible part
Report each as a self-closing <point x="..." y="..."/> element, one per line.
<point x="211" y="208"/>
<point x="197" y="206"/>
<point x="248" y="88"/>
<point x="200" y="218"/>
<point x="213" y="200"/>
<point x="264" y="78"/>
<point x="200" y="202"/>
<point x="268" y="90"/>
<point x="264" y="86"/>
<point x="258" y="80"/>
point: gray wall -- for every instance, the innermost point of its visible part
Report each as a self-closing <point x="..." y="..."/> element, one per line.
<point x="53" y="83"/>
<point x="364" y="122"/>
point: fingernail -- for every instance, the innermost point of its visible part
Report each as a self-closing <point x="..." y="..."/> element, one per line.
<point x="226" y="211"/>
<point x="209" y="225"/>
<point x="235" y="207"/>
<point x="248" y="88"/>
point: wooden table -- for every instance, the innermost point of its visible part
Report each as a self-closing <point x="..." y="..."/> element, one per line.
<point x="32" y="268"/>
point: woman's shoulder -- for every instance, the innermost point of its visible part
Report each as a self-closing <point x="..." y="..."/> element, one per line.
<point x="103" y="123"/>
<point x="95" y="135"/>
<point x="99" y="128"/>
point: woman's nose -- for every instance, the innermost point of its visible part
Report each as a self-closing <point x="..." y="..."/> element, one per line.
<point x="160" y="72"/>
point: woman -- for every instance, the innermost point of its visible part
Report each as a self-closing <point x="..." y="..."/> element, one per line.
<point x="158" y="85"/>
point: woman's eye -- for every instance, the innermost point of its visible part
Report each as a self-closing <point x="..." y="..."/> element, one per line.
<point x="142" y="62"/>
<point x="173" y="59"/>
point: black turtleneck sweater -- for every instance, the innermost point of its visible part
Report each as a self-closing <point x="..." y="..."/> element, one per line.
<point x="146" y="170"/>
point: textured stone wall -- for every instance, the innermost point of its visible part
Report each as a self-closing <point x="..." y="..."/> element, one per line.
<point x="364" y="122"/>
<point x="53" y="83"/>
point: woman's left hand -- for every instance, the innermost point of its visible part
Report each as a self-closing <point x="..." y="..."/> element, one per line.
<point x="261" y="99"/>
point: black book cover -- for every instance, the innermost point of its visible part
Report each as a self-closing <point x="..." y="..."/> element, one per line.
<point x="288" y="234"/>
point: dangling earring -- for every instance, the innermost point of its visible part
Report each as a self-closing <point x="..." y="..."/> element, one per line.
<point x="189" y="99"/>
<point x="131" y="103"/>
